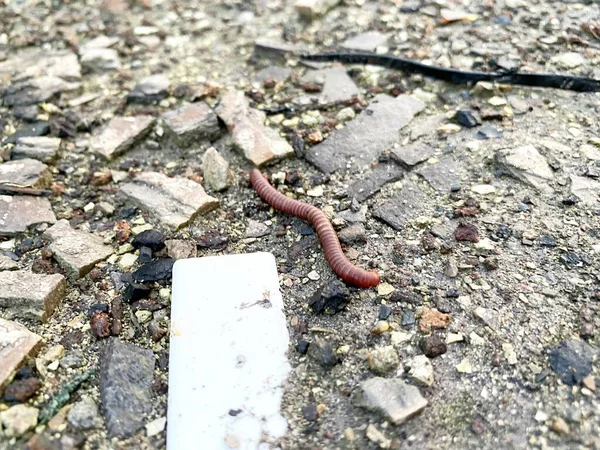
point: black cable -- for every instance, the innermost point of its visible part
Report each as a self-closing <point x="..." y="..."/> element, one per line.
<point x="567" y="82"/>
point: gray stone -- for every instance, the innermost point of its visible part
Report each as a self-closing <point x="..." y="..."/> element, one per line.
<point x="392" y="397"/>
<point x="28" y="295"/>
<point x="313" y="8"/>
<point x="568" y="60"/>
<point x="421" y="370"/>
<point x="370" y="182"/>
<point x="442" y="175"/>
<point x="361" y="141"/>
<point x="367" y="42"/>
<point x="256" y="229"/>
<point x="259" y="144"/>
<point x="42" y="148"/>
<point x="25" y="172"/>
<point x="191" y="123"/>
<point x="101" y="41"/>
<point x="527" y="165"/>
<point x="77" y="252"/>
<point x="413" y="154"/>
<point x="19" y="212"/>
<point x="573" y="360"/>
<point x="120" y="134"/>
<point x="72" y="360"/>
<point x="7" y="263"/>
<point x="351" y="216"/>
<point x="407" y="204"/>
<point x="100" y="59"/>
<point x="18" y="420"/>
<point x="337" y="85"/>
<point x="353" y="234"/>
<point x="174" y="201"/>
<point x="84" y="414"/>
<point x="586" y="190"/>
<point x="151" y="89"/>
<point x="216" y="170"/>
<point x="16" y="344"/>
<point x="36" y="90"/>
<point x="125" y="387"/>
<point x="275" y="73"/>
<point x="383" y="360"/>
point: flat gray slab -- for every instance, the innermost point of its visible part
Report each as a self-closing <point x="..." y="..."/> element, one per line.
<point x="191" y="123"/>
<point x="28" y="295"/>
<point x="76" y="251"/>
<point x="337" y="86"/>
<point x="412" y="154"/>
<point x="25" y="172"/>
<point x="407" y="204"/>
<point x="369" y="183"/>
<point x="16" y="343"/>
<point x="42" y="148"/>
<point x="528" y="165"/>
<point x="174" y="201"/>
<point x="442" y="175"/>
<point x="36" y="90"/>
<point x="362" y="140"/>
<point x="247" y="353"/>
<point x="126" y="377"/>
<point x="61" y="64"/>
<point x="120" y="134"/>
<point x="258" y="143"/>
<point x="18" y="213"/>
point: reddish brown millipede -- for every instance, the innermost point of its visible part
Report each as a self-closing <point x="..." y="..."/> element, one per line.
<point x="329" y="240"/>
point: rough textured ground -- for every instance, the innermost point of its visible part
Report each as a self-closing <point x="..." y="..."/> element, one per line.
<point x="523" y="280"/>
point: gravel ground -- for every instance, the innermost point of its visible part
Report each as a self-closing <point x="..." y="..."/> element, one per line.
<point x="479" y="205"/>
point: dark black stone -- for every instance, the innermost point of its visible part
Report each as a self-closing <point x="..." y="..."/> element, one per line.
<point x="126" y="377"/>
<point x="406" y="296"/>
<point x="572" y="260"/>
<point x="302" y="346"/>
<point x="145" y="255"/>
<point x="135" y="291"/>
<point x="452" y="293"/>
<point x="23" y="373"/>
<point x="503" y="231"/>
<point x="102" y="307"/>
<point x="466" y="118"/>
<point x="152" y="239"/>
<point x="310" y="412"/>
<point x="322" y="352"/>
<point x="384" y="312"/>
<point x="157" y="270"/>
<point x="34" y="129"/>
<point x="330" y="298"/>
<point x="433" y="346"/>
<point x="29" y="244"/>
<point x="546" y="240"/>
<point x="572" y="361"/>
<point x="408" y="318"/>
<point x="570" y="201"/>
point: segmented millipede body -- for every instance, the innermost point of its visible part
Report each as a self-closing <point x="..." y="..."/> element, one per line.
<point x="317" y="218"/>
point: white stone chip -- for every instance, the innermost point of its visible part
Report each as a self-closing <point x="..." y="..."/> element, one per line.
<point x="228" y="353"/>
